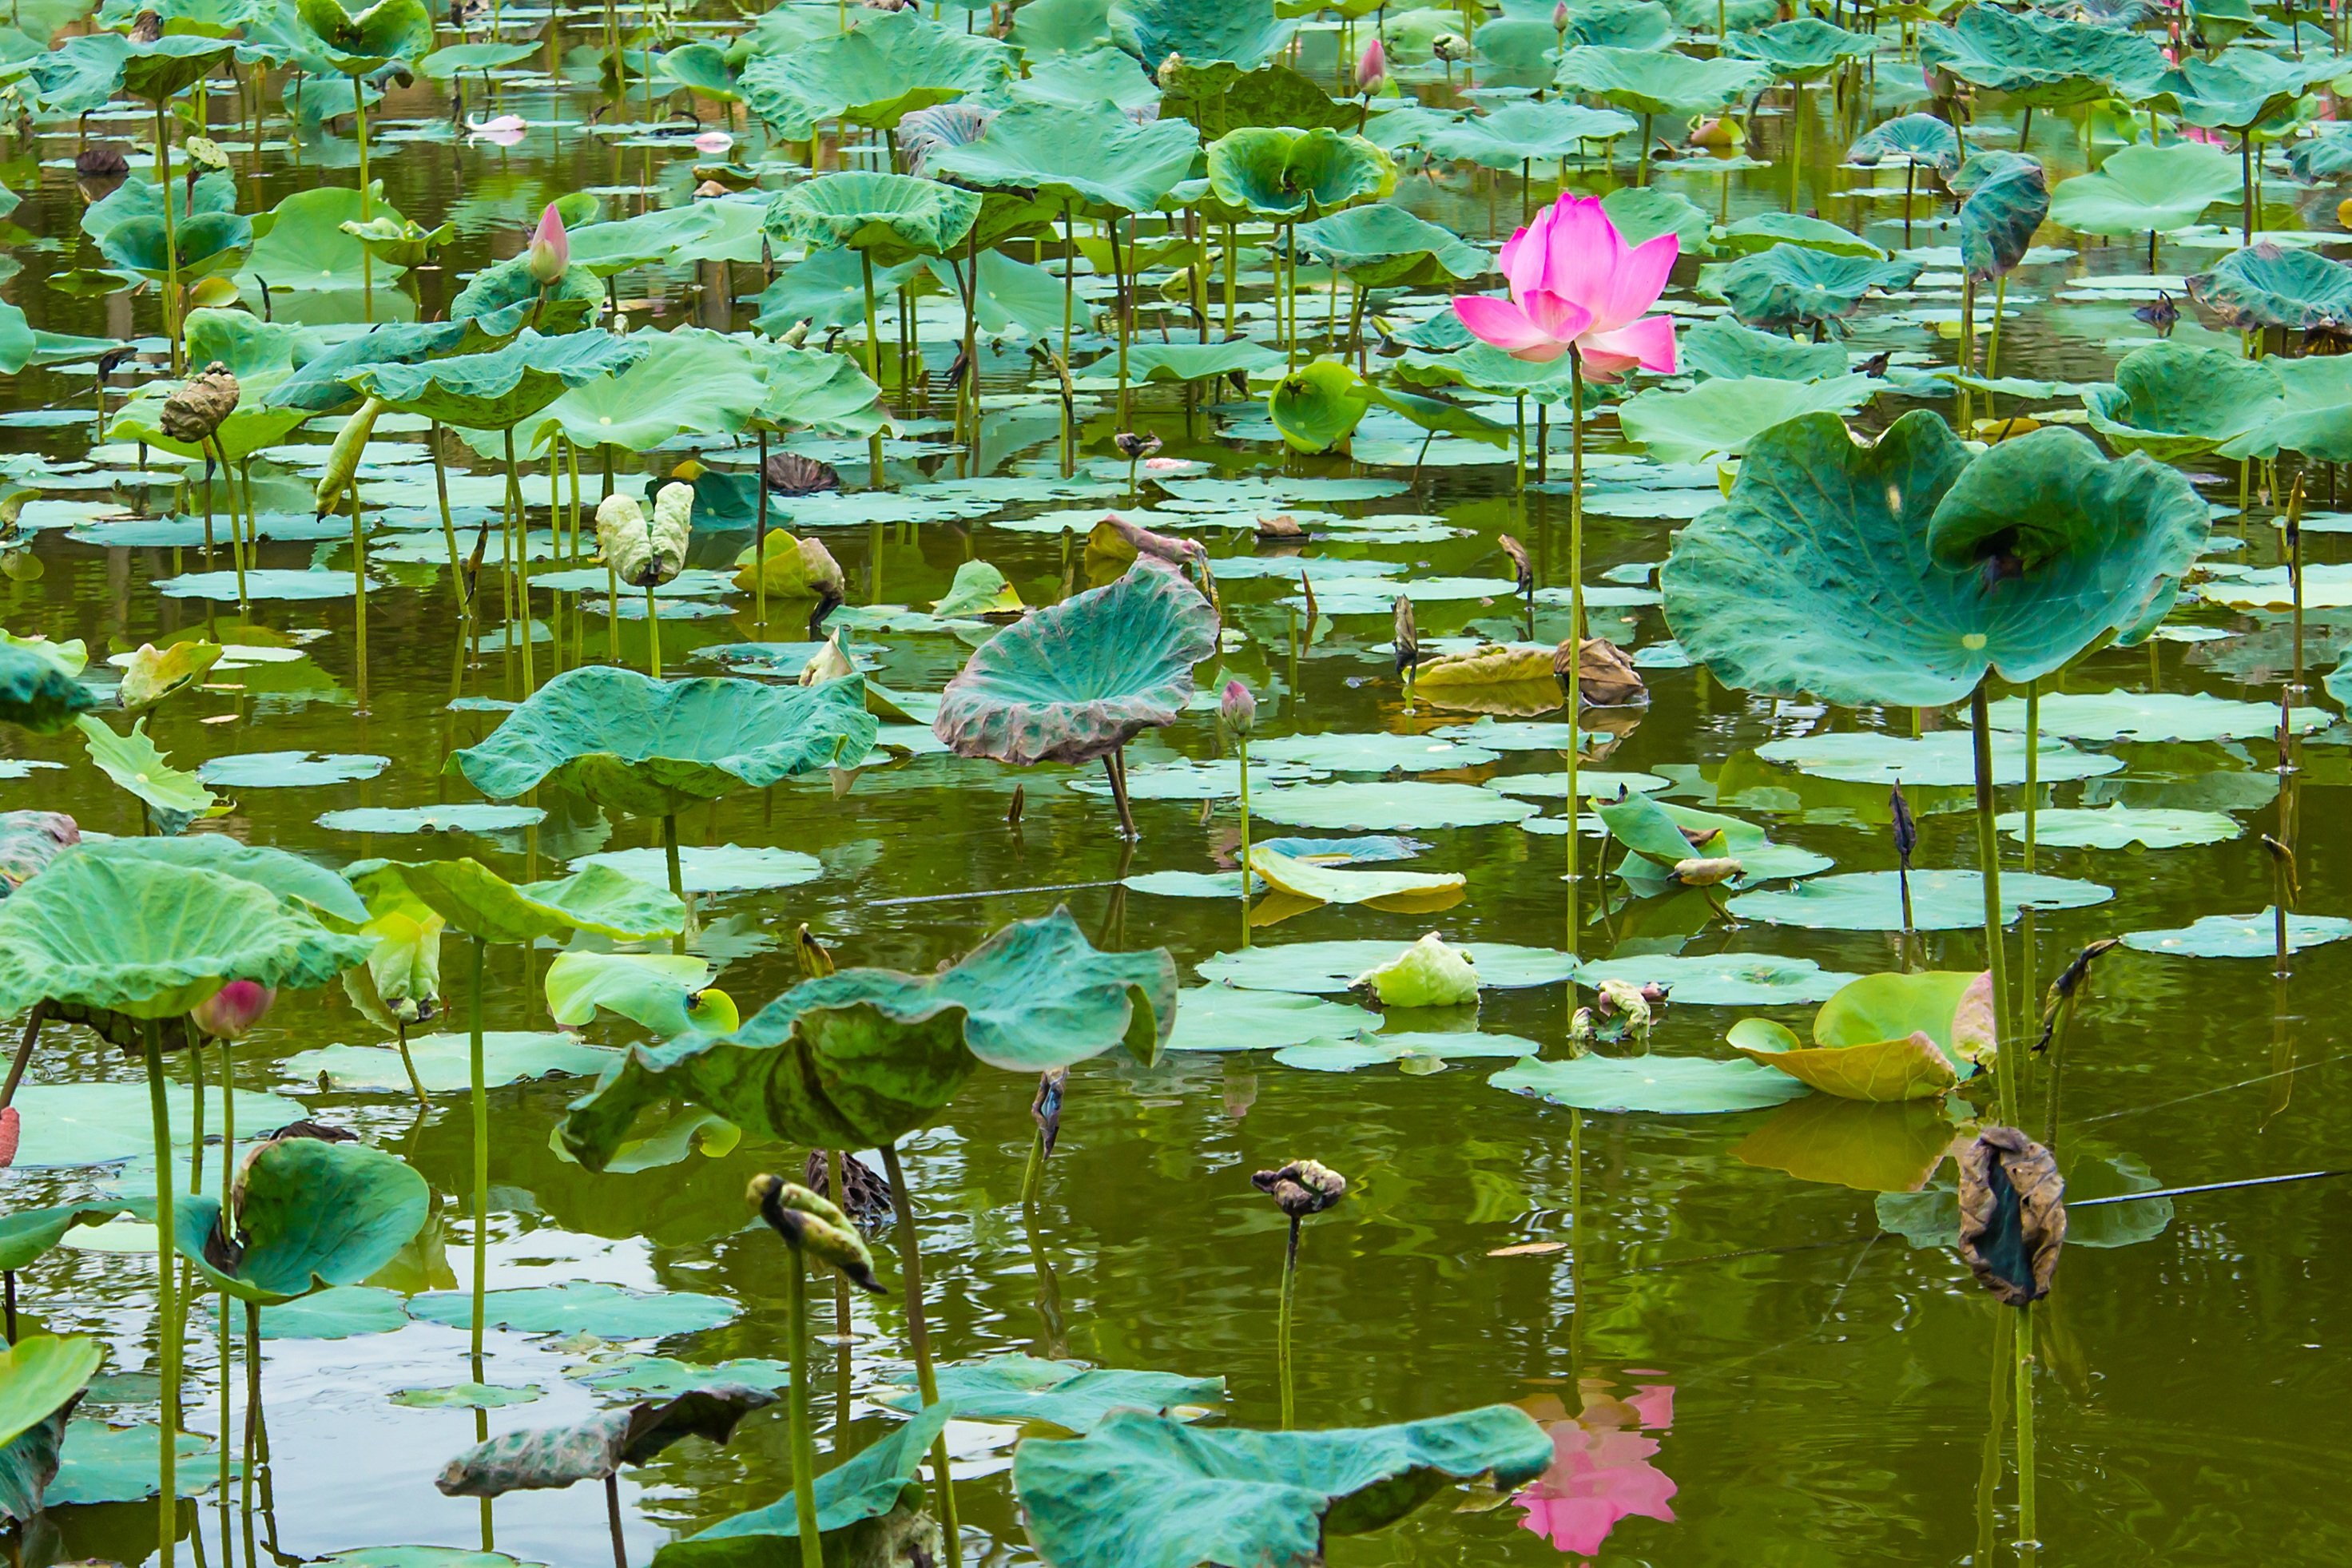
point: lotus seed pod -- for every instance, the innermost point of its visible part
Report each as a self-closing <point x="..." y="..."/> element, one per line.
<point x="1302" y="1187"/>
<point x="191" y="414"/>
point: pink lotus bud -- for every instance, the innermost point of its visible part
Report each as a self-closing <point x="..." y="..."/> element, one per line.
<point x="12" y="1128"/>
<point x="231" y="1012"/>
<point x="713" y="142"/>
<point x="1239" y="710"/>
<point x="1559" y="17"/>
<point x="1372" y="67"/>
<point x="550" y="247"/>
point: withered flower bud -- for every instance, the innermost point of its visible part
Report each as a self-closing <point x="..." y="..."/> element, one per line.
<point x="191" y="414"/>
<point x="1520" y="564"/>
<point x="2012" y="1215"/>
<point x="814" y="1227"/>
<point x="1134" y="447"/>
<point x="1045" y="1107"/>
<point x="1302" y="1187"/>
<point x="1605" y="676"/>
<point x="1407" y="640"/>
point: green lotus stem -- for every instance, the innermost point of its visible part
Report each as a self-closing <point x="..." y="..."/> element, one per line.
<point x="1575" y="627"/>
<point x="836" y="1162"/>
<point x="873" y="369"/>
<point x="760" y="541"/>
<point x="229" y="1168"/>
<point x="1282" y="1322"/>
<point x="1988" y="1467"/>
<point x="803" y="1438"/>
<point x="252" y="533"/>
<point x="612" y="613"/>
<point x="1992" y="343"/>
<point x="1232" y="237"/>
<point x="522" y="566"/>
<point x="167" y="1331"/>
<point x="1989" y="860"/>
<point x="613" y="1519"/>
<point x="1244" y="748"/>
<point x="2246" y="177"/>
<point x="669" y="844"/>
<point x="170" y="271"/>
<point x="919" y="1340"/>
<point x="449" y="530"/>
<point x="1122" y="307"/>
<point x="479" y="1089"/>
<point x="653" y="633"/>
<point x="2023" y="1363"/>
<point x="2032" y="776"/>
<point x="554" y="545"/>
<point x="1033" y="1175"/>
<point x="359" y="594"/>
<point x="367" y="256"/>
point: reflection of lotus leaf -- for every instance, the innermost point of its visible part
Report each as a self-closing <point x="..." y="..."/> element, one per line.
<point x="1080" y="679"/>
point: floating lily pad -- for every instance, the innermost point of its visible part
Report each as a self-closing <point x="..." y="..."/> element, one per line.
<point x="2240" y="935"/>
<point x="582" y="1307"/>
<point x="1947" y="757"/>
<point x="2150" y="715"/>
<point x="1940" y="900"/>
<point x="1192" y="883"/>
<point x="443" y="1061"/>
<point x="260" y="583"/>
<point x="98" y="1123"/>
<point x="1329" y="967"/>
<point x="339" y="1312"/>
<point x="1414" y="1050"/>
<point x="1399" y="890"/>
<point x="1377" y="753"/>
<point x="1219" y="1017"/>
<point x="1668" y="1085"/>
<point x="465" y="817"/>
<point x="1387" y="806"/>
<point x="1074" y="1395"/>
<point x="98" y="1463"/>
<point x="2121" y="828"/>
<point x="724" y="868"/>
<point x="1721" y="980"/>
<point x="661" y="1377"/>
<point x="469" y="1396"/>
<point x="290" y="769"/>
<point x="1187" y="780"/>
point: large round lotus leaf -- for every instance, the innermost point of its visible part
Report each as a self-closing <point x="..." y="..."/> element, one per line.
<point x="2172" y="401"/>
<point x="1532" y="735"/>
<point x="1147" y="1491"/>
<point x="1376" y="752"/>
<point x="1243" y="33"/>
<point x="2251" y="936"/>
<point x="1186" y="780"/>
<point x="1415" y="1052"/>
<point x="1720" y="980"/>
<point x="2121" y="828"/>
<point x="2318" y="419"/>
<point x="579" y="1306"/>
<point x="1088" y="77"/>
<point x="345" y="1312"/>
<point x="290" y="769"/>
<point x="1093" y="156"/>
<point x="1387" y="806"/>
<point x="1280" y="171"/>
<point x="653" y="747"/>
<point x="2004" y="202"/>
<point x="722" y="868"/>
<point x="1079" y="679"/>
<point x="689" y="382"/>
<point x="36" y="693"/>
<point x="874" y="1482"/>
<point x="1802" y="49"/>
<point x="145" y="939"/>
<point x="1668" y="1085"/>
<point x="1219" y="1017"/>
<point x="2152" y="715"/>
<point x="358" y="42"/>
<point x="98" y="1123"/>
<point x="309" y="1213"/>
<point x="1384" y="246"/>
<point x="1940" y="900"/>
<point x="306" y="247"/>
<point x="1656" y="81"/>
<point x="443" y="1061"/>
<point x="289" y="876"/>
<point x="1944" y="757"/>
<point x="1332" y="966"/>
<point x="1520" y="132"/>
<point x="860" y="1058"/>
<point x="1074" y="1395"/>
<point x="1915" y="137"/>
<point x="1317" y="407"/>
<point x="2144" y="189"/>
<point x="892" y="215"/>
<point x="2241" y="89"/>
<point x="1192" y="362"/>
<point x="1793" y="286"/>
<point x="891" y="64"/>
<point x="266" y="583"/>
<point x="1719" y="418"/>
<point x="2266" y="286"/>
<point x="1920" y="569"/>
<point x="465" y="817"/>
<point x="2042" y="60"/>
<point x="1721" y="347"/>
<point x="828" y="392"/>
<point x="477" y="902"/>
<point x="497" y="390"/>
<point x="124" y="1464"/>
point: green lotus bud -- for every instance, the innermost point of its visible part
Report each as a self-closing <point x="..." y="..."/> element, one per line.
<point x="814" y="1227"/>
<point x="343" y="456"/>
<point x="1429" y="973"/>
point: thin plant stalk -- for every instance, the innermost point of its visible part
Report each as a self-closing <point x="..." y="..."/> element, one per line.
<point x="449" y="530"/>
<point x="759" y="542"/>
<point x="677" y="873"/>
<point x="481" y="1104"/>
<point x="919" y="1340"/>
<point x="170" y="282"/>
<point x="2033" y="768"/>
<point x="1243" y="747"/>
<point x="804" y="1436"/>
<point x="359" y="594"/>
<point x="1988" y="861"/>
<point x="1575" y="624"/>
<point x="167" y="1318"/>
<point x="873" y="371"/>
<point x="2024" y="1364"/>
<point x="1282" y="1322"/>
<point x="653" y="635"/>
<point x="228" y="1168"/>
<point x="613" y="1518"/>
<point x="836" y="1164"/>
<point x="522" y="564"/>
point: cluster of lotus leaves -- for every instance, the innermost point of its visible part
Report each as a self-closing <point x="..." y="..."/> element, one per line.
<point x="2046" y="61"/>
<point x="1884" y="1038"/>
<point x="2174" y="401"/>
<point x="860" y="1058"/>
<point x="653" y="747"/>
<point x="499" y="389"/>
<point x="1905" y="571"/>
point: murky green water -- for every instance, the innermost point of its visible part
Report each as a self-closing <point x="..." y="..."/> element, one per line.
<point x="1763" y="1376"/>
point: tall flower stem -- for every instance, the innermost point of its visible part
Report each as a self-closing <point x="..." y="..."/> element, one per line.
<point x="760" y="541"/>
<point x="919" y="1340"/>
<point x="1243" y="747"/>
<point x="1575" y="626"/>
<point x="167" y="1318"/>
<point x="359" y="596"/>
<point x="522" y="562"/>
<point x="873" y="371"/>
<point x="170" y="273"/>
<point x="803" y="1438"/>
<point x="1989" y="862"/>
<point x="836" y="1164"/>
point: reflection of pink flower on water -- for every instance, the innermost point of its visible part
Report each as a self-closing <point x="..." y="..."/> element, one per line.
<point x="1600" y="1470"/>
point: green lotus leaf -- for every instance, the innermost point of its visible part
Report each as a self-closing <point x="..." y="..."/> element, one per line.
<point x="1317" y="407"/>
<point x="2002" y="206"/>
<point x="2146" y="189"/>
<point x="2251" y="936"/>
<point x="1882" y="1037"/>
<point x="1411" y="1051"/>
<point x="1659" y="836"/>
<point x="1942" y="761"/>
<point x="1762" y="231"/>
<point x="358" y="42"/>
<point x="2326" y="156"/>
<point x="1196" y="361"/>
<point x="1621" y="24"/>
<point x="1940" y="900"/>
<point x="1218" y="1016"/>
<point x="726" y="229"/>
<point x="1074" y="1395"/>
<point x="653" y="747"/>
<point x="1662" y="1085"/>
<point x="581" y="1306"/>
<point x="702" y="70"/>
<point x="1522" y="133"/>
<point x="1330" y="967"/>
<point x="2042" y="60"/>
<point x="2316" y="419"/>
<point x="2121" y="827"/>
<point x="207" y="243"/>
<point x="1721" y="418"/>
<point x="1220" y="95"/>
<point x="321" y="383"/>
<point x="543" y="1457"/>
<point x="1515" y="52"/>
<point x="854" y="1500"/>
<point x="893" y="216"/>
<point x="689" y="382"/>
<point x="250" y="429"/>
<point x="1796" y="285"/>
<point x="1648" y="82"/>
<point x="808" y="388"/>
<point x="715" y="868"/>
<point x="307" y="246"/>
<point x="2241" y="88"/>
<point x="1097" y="76"/>
<point x="2173" y="401"/>
<point x="453" y="60"/>
<point x="289" y="876"/>
<point x="146" y="939"/>
<point x="1380" y="808"/>
<point x="400" y="242"/>
<point x="97" y="1464"/>
<point x="1445" y="418"/>
<point x="1094" y="157"/>
<point x="1920" y="139"/>
<point x="2106" y="717"/>
<point x="1800" y="51"/>
<point x="1246" y="33"/>
<point x="498" y="300"/>
<point x="81" y="74"/>
<point x="1891" y="543"/>
<point x="41" y="1377"/>
<point x="29" y="1233"/>
<point x="660" y="1376"/>
<point x="1079" y="680"/>
<point x="1148" y="1491"/>
<point x="1278" y="171"/>
<point x="479" y="903"/>
<point x="1880" y="1072"/>
<point x="497" y="389"/>
<point x="164" y="67"/>
<point x="443" y="1062"/>
<point x="133" y="761"/>
<point x="1644" y="212"/>
<point x="860" y="1058"/>
<point x="2266" y="286"/>
<point x="36" y="693"/>
<point x="891" y="64"/>
<point x="1384" y="246"/>
<point x="308" y="1214"/>
<point x="1722" y="347"/>
<point x="1721" y="980"/>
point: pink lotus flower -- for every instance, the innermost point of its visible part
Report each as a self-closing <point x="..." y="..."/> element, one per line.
<point x="231" y="1012"/>
<point x="550" y="247"/>
<point x="1371" y="67"/>
<point x="1600" y="1470"/>
<point x="713" y="142"/>
<point x="12" y="1130"/>
<point x="1576" y="285"/>
<point x="504" y="132"/>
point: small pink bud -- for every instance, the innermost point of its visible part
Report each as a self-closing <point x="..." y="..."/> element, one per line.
<point x="550" y="247"/>
<point x="231" y="1012"/>
<point x="1372" y="68"/>
<point x="1559" y="17"/>
<point x="1239" y="709"/>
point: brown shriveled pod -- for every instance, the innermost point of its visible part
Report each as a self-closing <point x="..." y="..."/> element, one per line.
<point x="1605" y="676"/>
<point x="2012" y="1215"/>
<point x="191" y="414"/>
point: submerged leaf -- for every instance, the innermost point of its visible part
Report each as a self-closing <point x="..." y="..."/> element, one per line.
<point x="549" y="1457"/>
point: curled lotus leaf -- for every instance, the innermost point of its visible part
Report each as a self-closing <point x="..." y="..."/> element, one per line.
<point x="39" y="693"/>
<point x="652" y="748"/>
<point x="357" y="42"/>
<point x="2047" y="61"/>
<point x="892" y="216"/>
<point x="306" y="1215"/>
<point x="1917" y="139"/>
<point x="859" y="1058"/>
<point x="1802" y="49"/>
<point x="2002" y="206"/>
<point x="2238" y="88"/>
<point x="1792" y="286"/>
<point x="2267" y="286"/>
<point x="42" y="1378"/>
<point x="479" y="903"/>
<point x="855" y="1503"/>
<point x="1920" y="571"/>
<point x="1079" y="680"/>
<point x="2012" y="1215"/>
<point x="1277" y="171"/>
<point x="644" y="553"/>
<point x="495" y="391"/>
<point x="552" y="1456"/>
<point x="2173" y="401"/>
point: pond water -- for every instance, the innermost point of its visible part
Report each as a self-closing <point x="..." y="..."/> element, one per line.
<point x="1738" y="1361"/>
